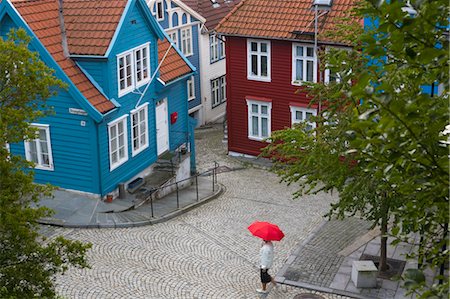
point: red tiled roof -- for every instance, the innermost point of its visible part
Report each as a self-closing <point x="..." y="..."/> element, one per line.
<point x="90" y="25"/>
<point x="173" y="65"/>
<point x="278" y="19"/>
<point x="42" y="17"/>
<point x="212" y="14"/>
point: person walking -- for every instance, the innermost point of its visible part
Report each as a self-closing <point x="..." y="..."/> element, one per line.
<point x="266" y="260"/>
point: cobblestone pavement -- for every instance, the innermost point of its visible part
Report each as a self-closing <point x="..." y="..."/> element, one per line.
<point x="320" y="260"/>
<point x="205" y="253"/>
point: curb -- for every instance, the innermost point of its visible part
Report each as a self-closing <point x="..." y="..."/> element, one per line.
<point x="151" y="221"/>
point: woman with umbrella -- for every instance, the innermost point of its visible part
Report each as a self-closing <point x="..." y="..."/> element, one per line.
<point x="268" y="232"/>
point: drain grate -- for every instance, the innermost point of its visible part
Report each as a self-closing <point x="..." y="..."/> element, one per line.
<point x="308" y="296"/>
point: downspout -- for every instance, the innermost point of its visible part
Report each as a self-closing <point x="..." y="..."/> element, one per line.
<point x="153" y="76"/>
<point x="316" y="52"/>
<point x="63" y="29"/>
<point x="100" y="181"/>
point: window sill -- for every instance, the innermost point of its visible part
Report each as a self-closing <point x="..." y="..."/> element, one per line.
<point x="44" y="168"/>
<point x="262" y="79"/>
<point x="137" y="152"/>
<point x="191" y="99"/>
<point x="115" y="166"/>
<point x="258" y="138"/>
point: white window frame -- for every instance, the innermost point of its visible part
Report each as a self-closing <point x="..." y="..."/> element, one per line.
<point x="133" y="68"/>
<point x="137" y="113"/>
<point x="158" y="17"/>
<point x="186" y="41"/>
<point x="174" y="37"/>
<point x="260" y="116"/>
<point x="305" y="59"/>
<point x="120" y="161"/>
<point x="39" y="164"/>
<point x="303" y="110"/>
<point x="218" y="91"/>
<point x="216" y="48"/>
<point x="259" y="54"/>
<point x="190" y="85"/>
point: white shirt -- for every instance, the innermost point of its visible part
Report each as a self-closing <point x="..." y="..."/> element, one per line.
<point x="266" y="255"/>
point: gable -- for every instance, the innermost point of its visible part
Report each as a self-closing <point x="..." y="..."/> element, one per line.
<point x="40" y="21"/>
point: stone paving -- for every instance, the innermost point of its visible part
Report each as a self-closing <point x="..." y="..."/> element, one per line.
<point x="205" y="253"/>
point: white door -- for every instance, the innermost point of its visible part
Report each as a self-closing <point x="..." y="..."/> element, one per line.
<point x="162" y="127"/>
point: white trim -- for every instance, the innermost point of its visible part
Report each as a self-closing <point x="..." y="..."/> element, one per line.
<point x="260" y="116"/>
<point x="304" y="58"/>
<point x="190" y="11"/>
<point x="39" y="164"/>
<point x="134" y="83"/>
<point x="170" y="33"/>
<point x="162" y="10"/>
<point x="119" y="162"/>
<point x="259" y="54"/>
<point x="190" y="82"/>
<point x="133" y="112"/>
<point x="303" y="110"/>
<point x="188" y="46"/>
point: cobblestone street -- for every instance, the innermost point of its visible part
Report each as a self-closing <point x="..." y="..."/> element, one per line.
<point x="205" y="253"/>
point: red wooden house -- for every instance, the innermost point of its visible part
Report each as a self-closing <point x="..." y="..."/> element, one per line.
<point x="271" y="50"/>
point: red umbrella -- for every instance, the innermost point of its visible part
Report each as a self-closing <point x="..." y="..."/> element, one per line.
<point x="266" y="231"/>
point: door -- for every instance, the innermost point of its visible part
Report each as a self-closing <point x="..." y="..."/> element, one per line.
<point x="162" y="127"/>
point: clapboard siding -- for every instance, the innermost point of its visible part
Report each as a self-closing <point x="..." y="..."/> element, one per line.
<point x="176" y="96"/>
<point x="73" y="148"/>
<point x="279" y="90"/>
<point x="96" y="69"/>
<point x="132" y="34"/>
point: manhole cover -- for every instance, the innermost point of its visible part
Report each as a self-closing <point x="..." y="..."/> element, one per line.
<point x="308" y="296"/>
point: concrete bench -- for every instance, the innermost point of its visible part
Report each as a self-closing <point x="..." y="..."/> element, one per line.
<point x="364" y="274"/>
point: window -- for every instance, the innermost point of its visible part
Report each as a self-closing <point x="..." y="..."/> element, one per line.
<point x="191" y="88"/>
<point x="218" y="91"/>
<point x="139" y="129"/>
<point x="39" y="150"/>
<point x="258" y="60"/>
<point x="304" y="64"/>
<point x="159" y="10"/>
<point x="216" y="48"/>
<point x="331" y="77"/>
<point x="118" y="144"/>
<point x="133" y="69"/>
<point x="301" y="114"/>
<point x="174" y="36"/>
<point x="259" y="119"/>
<point x="186" y="41"/>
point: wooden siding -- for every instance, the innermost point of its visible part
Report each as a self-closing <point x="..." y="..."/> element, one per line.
<point x="73" y="145"/>
<point x="279" y="90"/>
<point x="96" y="69"/>
<point x="131" y="35"/>
<point x="74" y="148"/>
<point x="176" y="95"/>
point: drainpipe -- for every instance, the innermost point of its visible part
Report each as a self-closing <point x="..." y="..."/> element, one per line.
<point x="153" y="76"/>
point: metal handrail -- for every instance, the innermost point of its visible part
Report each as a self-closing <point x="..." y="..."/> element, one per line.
<point x="213" y="172"/>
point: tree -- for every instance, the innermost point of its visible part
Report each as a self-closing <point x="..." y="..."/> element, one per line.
<point x="28" y="262"/>
<point x="379" y="140"/>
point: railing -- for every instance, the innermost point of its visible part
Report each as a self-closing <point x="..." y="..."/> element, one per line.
<point x="196" y="184"/>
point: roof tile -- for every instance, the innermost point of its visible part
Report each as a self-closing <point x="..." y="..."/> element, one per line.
<point x="173" y="65"/>
<point x="42" y="17"/>
<point x="280" y="18"/>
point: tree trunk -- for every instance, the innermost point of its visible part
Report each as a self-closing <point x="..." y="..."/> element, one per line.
<point x="382" y="267"/>
<point x="383" y="246"/>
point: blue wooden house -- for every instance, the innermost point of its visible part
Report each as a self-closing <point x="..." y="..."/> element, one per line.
<point x="126" y="102"/>
<point x="183" y="26"/>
